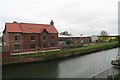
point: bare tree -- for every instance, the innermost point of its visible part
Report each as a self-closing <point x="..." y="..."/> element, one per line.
<point x="66" y="33"/>
<point x="81" y="34"/>
<point x="103" y="33"/>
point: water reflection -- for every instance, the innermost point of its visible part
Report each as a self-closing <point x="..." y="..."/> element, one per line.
<point x="32" y="70"/>
<point x="119" y="51"/>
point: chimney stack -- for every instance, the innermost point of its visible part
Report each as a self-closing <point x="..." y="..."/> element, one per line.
<point x="51" y="23"/>
<point x="15" y="22"/>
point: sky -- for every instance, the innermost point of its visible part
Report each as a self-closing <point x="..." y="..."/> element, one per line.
<point x="87" y="17"/>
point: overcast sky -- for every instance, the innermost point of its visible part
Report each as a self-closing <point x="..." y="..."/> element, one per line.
<point x="86" y="17"/>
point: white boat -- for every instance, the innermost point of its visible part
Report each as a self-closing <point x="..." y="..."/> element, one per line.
<point x="116" y="62"/>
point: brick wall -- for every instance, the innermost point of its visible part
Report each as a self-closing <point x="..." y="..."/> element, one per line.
<point x="25" y="41"/>
<point x="75" y="40"/>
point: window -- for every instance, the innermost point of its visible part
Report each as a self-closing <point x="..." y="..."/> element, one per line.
<point x="44" y="37"/>
<point x="44" y="45"/>
<point x="52" y="44"/>
<point x="32" y="46"/>
<point x="52" y="37"/>
<point x="17" y="46"/>
<point x="32" y="37"/>
<point x="81" y="41"/>
<point x="17" y="37"/>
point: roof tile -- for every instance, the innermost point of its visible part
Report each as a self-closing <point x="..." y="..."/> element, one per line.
<point x="29" y="28"/>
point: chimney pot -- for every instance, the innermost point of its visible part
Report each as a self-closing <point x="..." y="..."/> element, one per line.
<point x="51" y="23"/>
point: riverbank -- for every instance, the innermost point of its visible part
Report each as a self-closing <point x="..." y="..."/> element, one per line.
<point x="44" y="56"/>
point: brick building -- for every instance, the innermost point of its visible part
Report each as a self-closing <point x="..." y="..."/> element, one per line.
<point x="25" y="37"/>
<point x="74" y="40"/>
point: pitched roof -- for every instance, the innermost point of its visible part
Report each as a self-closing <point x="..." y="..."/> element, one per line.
<point x="30" y="28"/>
<point x="13" y="27"/>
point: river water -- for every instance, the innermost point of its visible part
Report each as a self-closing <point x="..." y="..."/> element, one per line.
<point x="74" y="67"/>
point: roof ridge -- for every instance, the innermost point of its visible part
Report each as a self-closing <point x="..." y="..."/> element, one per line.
<point x="34" y="23"/>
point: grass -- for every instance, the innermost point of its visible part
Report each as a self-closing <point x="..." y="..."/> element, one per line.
<point x="89" y="47"/>
<point x="73" y="51"/>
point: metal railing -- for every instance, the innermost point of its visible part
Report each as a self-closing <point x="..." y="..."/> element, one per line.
<point x="111" y="71"/>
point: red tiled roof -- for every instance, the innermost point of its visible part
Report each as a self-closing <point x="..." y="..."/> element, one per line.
<point x="13" y="27"/>
<point x="30" y="28"/>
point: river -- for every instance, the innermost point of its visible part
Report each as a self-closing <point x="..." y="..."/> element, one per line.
<point x="74" y="67"/>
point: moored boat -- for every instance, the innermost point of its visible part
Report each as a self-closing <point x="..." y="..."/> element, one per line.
<point x="116" y="62"/>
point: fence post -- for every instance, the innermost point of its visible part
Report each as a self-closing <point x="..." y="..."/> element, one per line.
<point x="113" y="75"/>
<point x="93" y="77"/>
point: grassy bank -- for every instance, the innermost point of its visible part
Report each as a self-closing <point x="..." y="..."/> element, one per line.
<point x="99" y="46"/>
<point x="42" y="56"/>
